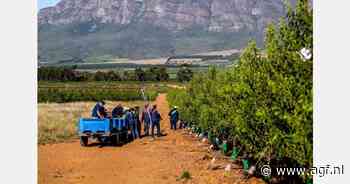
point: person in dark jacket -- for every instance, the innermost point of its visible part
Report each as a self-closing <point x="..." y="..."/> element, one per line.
<point x="130" y="116"/>
<point x="146" y="118"/>
<point x="118" y="111"/>
<point x="156" y="120"/>
<point x="174" y="118"/>
<point x="137" y="118"/>
<point x="99" y="111"/>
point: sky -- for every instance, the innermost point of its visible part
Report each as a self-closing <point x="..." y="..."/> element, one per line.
<point x="46" y="3"/>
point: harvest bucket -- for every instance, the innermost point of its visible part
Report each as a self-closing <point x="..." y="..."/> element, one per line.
<point x="235" y="153"/>
<point x="224" y="147"/>
<point x="210" y="137"/>
<point x="245" y="165"/>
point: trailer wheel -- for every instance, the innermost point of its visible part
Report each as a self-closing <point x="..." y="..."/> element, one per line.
<point x="84" y="141"/>
<point x="115" y="140"/>
<point x="100" y="139"/>
<point x="125" y="136"/>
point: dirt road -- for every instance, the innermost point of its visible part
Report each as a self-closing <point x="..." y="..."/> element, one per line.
<point x="144" y="161"/>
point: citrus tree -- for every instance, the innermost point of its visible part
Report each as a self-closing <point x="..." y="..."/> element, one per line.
<point x="264" y="102"/>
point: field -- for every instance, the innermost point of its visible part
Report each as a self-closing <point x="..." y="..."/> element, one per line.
<point x="60" y="92"/>
<point x="109" y="59"/>
<point x="156" y="61"/>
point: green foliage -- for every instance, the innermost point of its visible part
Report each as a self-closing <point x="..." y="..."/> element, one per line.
<point x="57" y="74"/>
<point x="264" y="102"/>
<point x="155" y="73"/>
<point x="106" y="76"/>
<point x="62" y="92"/>
<point x="185" y="175"/>
<point x="184" y="74"/>
<point x="140" y="74"/>
<point x="61" y="95"/>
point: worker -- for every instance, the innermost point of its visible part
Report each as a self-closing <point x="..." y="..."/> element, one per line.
<point x="99" y="111"/>
<point x="118" y="111"/>
<point x="137" y="119"/>
<point x="130" y="116"/>
<point x="146" y="118"/>
<point x="156" y="120"/>
<point x="174" y="117"/>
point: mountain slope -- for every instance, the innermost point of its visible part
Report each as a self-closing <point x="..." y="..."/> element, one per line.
<point x="150" y="28"/>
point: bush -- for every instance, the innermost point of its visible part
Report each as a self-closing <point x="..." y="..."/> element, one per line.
<point x="263" y="104"/>
<point x="184" y="74"/>
<point x="185" y="175"/>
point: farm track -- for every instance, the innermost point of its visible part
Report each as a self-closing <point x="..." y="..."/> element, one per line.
<point x="145" y="161"/>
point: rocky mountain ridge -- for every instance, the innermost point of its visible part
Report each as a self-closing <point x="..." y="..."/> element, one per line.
<point x="175" y="15"/>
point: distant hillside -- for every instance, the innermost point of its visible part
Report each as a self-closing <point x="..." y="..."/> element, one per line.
<point x="85" y="29"/>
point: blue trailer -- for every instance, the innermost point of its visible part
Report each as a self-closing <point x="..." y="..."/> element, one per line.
<point x="114" y="130"/>
<point x="119" y="128"/>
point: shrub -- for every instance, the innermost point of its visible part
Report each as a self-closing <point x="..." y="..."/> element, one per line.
<point x="184" y="74"/>
<point x="185" y="175"/>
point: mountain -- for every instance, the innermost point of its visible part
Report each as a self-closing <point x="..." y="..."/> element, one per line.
<point x="150" y="28"/>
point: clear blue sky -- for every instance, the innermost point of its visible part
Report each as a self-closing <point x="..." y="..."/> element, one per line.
<point x="46" y="3"/>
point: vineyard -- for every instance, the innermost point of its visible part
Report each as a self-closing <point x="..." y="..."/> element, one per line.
<point x="61" y="92"/>
<point x="262" y="106"/>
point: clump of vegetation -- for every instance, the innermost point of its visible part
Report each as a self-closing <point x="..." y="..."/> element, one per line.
<point x="152" y="74"/>
<point x="263" y="104"/>
<point x="185" y="175"/>
<point x="184" y="74"/>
